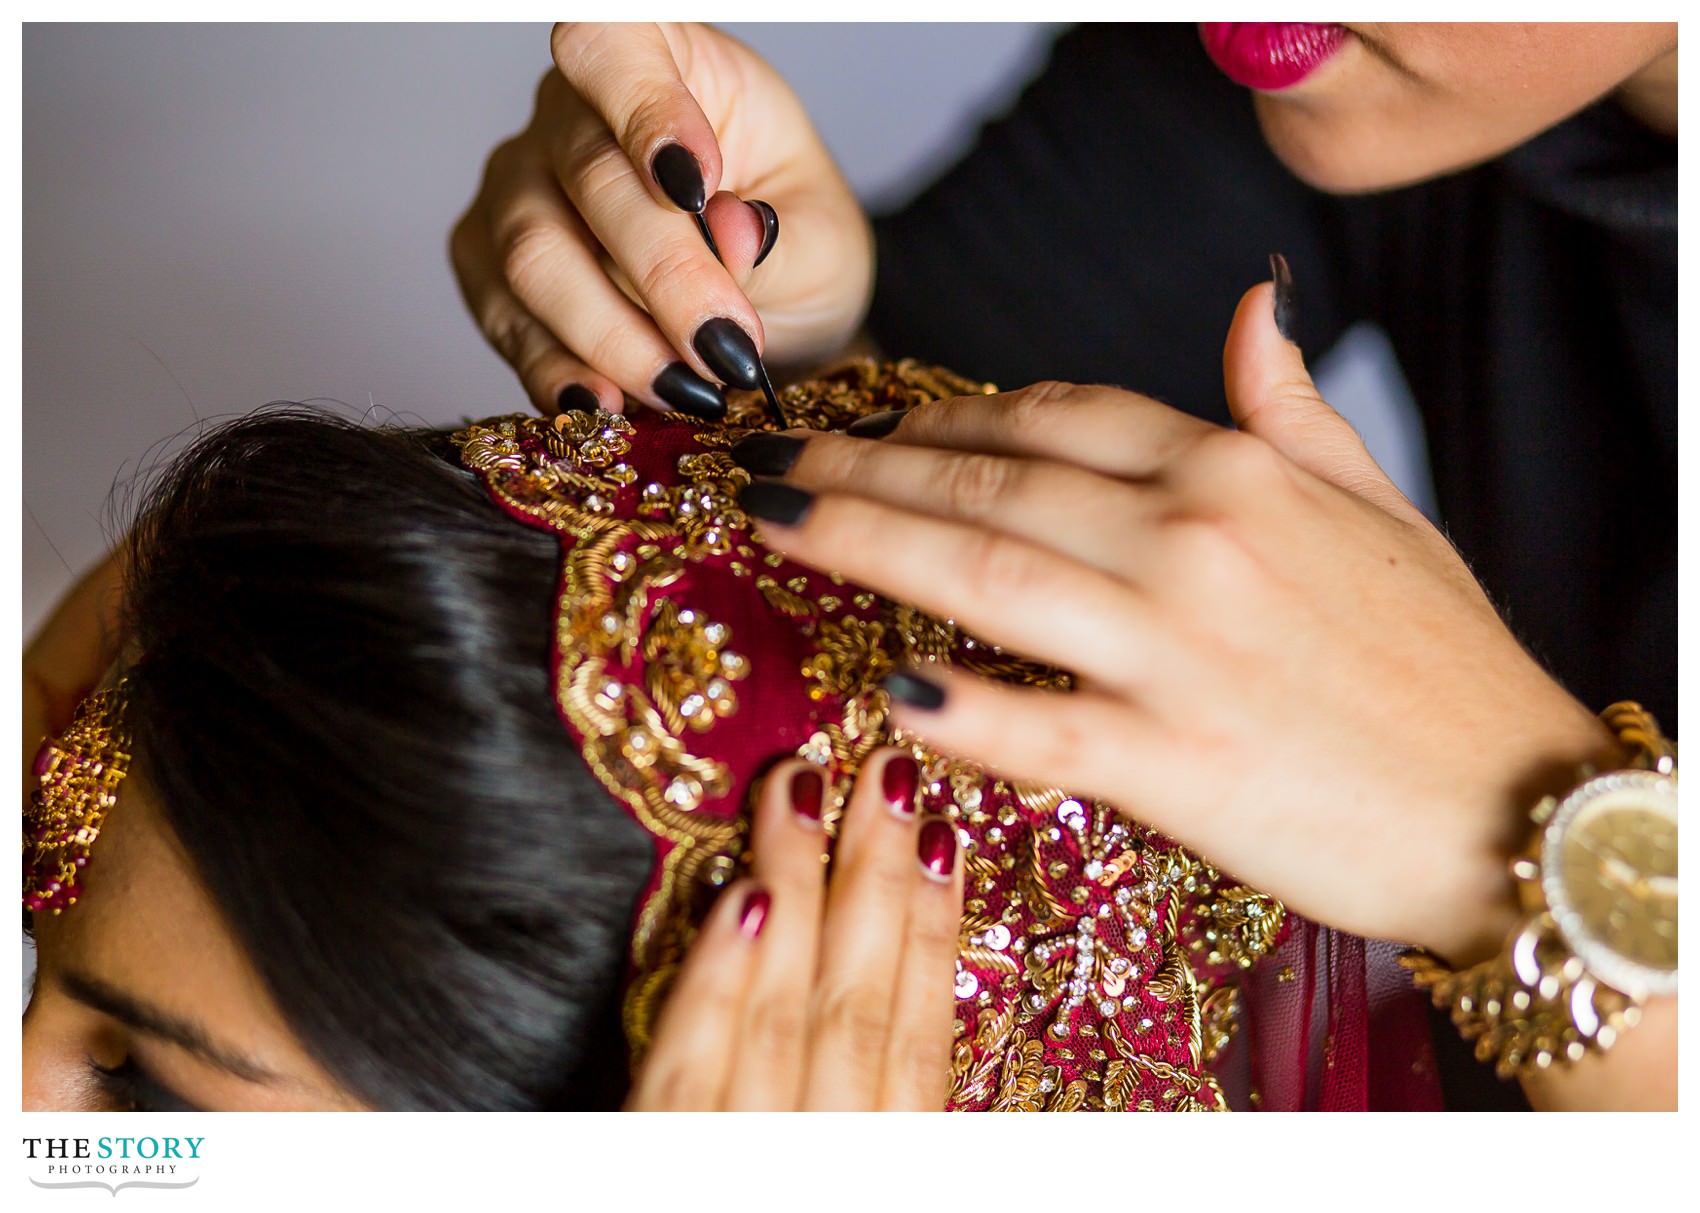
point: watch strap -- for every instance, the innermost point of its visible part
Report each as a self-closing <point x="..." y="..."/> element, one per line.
<point x="1529" y="1006"/>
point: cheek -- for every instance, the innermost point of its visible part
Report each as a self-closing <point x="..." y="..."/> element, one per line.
<point x="1525" y="76"/>
<point x="1412" y="102"/>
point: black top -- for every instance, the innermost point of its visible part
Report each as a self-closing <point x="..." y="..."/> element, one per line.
<point x="1104" y="231"/>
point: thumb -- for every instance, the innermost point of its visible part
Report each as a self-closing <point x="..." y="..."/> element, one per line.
<point x="745" y="232"/>
<point x="1271" y="395"/>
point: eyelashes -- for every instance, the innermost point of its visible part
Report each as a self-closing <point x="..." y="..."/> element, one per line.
<point x="132" y="1089"/>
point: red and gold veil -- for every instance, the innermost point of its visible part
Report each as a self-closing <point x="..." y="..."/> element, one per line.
<point x="1101" y="966"/>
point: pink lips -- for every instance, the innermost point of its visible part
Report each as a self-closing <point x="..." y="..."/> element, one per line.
<point x="1270" y="55"/>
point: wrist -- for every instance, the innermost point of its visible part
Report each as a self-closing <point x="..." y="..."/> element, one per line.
<point x="1638" y="1074"/>
<point x="1473" y="919"/>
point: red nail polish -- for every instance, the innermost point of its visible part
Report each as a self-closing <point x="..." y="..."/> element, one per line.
<point x="806" y="789"/>
<point x="898" y="783"/>
<point x="937" y="847"/>
<point x="753" y="916"/>
<point x="43" y="758"/>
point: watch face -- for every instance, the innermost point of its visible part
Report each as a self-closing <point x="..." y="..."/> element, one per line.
<point x="1608" y="869"/>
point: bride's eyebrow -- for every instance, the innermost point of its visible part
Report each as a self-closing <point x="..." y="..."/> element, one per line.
<point x="152" y="1021"/>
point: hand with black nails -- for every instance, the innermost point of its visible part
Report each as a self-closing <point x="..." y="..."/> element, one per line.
<point x="613" y="244"/>
<point x="1280" y="662"/>
<point x="814" y="991"/>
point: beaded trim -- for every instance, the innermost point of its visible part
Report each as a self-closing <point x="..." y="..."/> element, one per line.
<point x="79" y="773"/>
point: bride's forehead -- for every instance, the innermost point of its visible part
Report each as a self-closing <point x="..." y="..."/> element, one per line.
<point x="111" y="885"/>
<point x="139" y="894"/>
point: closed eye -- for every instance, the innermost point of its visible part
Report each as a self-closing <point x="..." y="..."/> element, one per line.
<point x="130" y="1088"/>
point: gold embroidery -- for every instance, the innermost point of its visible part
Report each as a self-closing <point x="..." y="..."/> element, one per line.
<point x="924" y="638"/>
<point x="783" y="600"/>
<point x="1171" y="978"/>
<point x="1023" y="1068"/>
<point x="688" y="671"/>
<point x="1239" y="925"/>
<point x="849" y="658"/>
<point x="974" y="1078"/>
<point x="1218" y="1017"/>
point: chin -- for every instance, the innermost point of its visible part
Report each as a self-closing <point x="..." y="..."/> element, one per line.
<point x="1360" y="152"/>
<point x="1338" y="157"/>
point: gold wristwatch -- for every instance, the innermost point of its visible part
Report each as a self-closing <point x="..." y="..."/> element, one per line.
<point x="1598" y="882"/>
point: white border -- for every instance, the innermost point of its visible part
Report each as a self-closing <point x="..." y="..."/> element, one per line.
<point x="996" y="1164"/>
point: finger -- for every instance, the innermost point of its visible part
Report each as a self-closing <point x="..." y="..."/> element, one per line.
<point x="874" y="877"/>
<point x="1271" y="395"/>
<point x="1083" y="740"/>
<point x="678" y="280"/>
<point x="789" y="849"/>
<point x="744" y="232"/>
<point x="1106" y="429"/>
<point x="1033" y="499"/>
<point x="690" y="1055"/>
<point x="552" y="377"/>
<point x="629" y="75"/>
<point x="1007" y="590"/>
<point x="918" y="1054"/>
<point x="551" y="263"/>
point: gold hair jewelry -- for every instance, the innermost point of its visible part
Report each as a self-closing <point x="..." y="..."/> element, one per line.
<point x="1598" y="881"/>
<point x="79" y="772"/>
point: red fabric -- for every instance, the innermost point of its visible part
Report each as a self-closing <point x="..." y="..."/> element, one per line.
<point x="1332" y="1024"/>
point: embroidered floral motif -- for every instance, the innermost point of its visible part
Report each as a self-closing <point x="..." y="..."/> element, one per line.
<point x="688" y="671"/>
<point x="849" y="657"/>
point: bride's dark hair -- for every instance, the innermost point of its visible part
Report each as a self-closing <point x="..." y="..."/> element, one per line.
<point x="342" y="702"/>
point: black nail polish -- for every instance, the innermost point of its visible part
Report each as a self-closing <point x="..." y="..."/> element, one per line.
<point x="771" y="396"/>
<point x="766" y="454"/>
<point x="776" y="501"/>
<point x="708" y="236"/>
<point x="1286" y="307"/>
<point x="729" y="352"/>
<point x="874" y="425"/>
<point x="680" y="177"/>
<point x="914" y="690"/>
<point x="689" y="392"/>
<point x="769" y="229"/>
<point x="576" y="398"/>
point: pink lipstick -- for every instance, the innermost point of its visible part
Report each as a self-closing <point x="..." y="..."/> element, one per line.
<point x="1270" y="55"/>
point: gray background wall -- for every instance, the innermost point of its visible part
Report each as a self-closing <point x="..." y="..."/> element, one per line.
<point x="219" y="216"/>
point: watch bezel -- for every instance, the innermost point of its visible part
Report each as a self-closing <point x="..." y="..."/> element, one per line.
<point x="1603" y="962"/>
